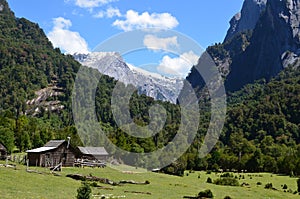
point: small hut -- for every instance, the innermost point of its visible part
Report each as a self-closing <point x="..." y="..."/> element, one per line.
<point x="94" y="153"/>
<point x="52" y="154"/>
<point x="3" y="152"/>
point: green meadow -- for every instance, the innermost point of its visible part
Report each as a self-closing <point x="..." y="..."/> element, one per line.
<point x="17" y="183"/>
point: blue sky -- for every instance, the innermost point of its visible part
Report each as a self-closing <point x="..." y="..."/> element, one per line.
<point x="80" y="25"/>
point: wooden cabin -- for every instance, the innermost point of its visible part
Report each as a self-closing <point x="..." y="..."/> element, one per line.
<point x="52" y="154"/>
<point x="93" y="153"/>
<point x="3" y="152"/>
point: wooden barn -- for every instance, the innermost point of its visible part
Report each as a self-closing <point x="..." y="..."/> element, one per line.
<point x="3" y="152"/>
<point x="52" y="154"/>
<point x="93" y="153"/>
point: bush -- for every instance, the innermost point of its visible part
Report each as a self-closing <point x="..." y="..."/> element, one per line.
<point x="94" y="184"/>
<point x="290" y="191"/>
<point x="258" y="183"/>
<point x="269" y="186"/>
<point x="284" y="186"/>
<point x="227" y="182"/>
<point x="245" y="184"/>
<point x="205" y="194"/>
<point x="298" y="185"/>
<point x="84" y="192"/>
<point x="227" y="175"/>
<point x="295" y="192"/>
<point x="209" y="180"/>
<point x="227" y="197"/>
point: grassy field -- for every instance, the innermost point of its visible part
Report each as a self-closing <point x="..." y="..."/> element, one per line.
<point x="20" y="184"/>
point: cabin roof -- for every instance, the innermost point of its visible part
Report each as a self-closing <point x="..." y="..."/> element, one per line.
<point x="41" y="149"/>
<point x="54" y="143"/>
<point x="93" y="150"/>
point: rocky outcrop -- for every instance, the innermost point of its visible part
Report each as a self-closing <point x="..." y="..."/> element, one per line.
<point x="150" y="84"/>
<point x="247" y="18"/>
<point x="47" y="99"/>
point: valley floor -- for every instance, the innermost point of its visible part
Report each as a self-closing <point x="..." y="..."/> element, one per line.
<point x="21" y="184"/>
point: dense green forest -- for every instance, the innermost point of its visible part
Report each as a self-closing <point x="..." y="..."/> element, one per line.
<point x="29" y="63"/>
<point x="261" y="133"/>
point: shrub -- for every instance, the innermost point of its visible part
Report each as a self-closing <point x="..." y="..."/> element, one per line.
<point x="259" y="183"/>
<point x="269" y="186"/>
<point x="244" y="184"/>
<point x="205" y="194"/>
<point x="227" y="175"/>
<point x="227" y="182"/>
<point x="84" y="192"/>
<point x="215" y="167"/>
<point x="147" y="182"/>
<point x="209" y="180"/>
<point x="227" y="197"/>
<point x="298" y="184"/>
<point x="284" y="186"/>
<point x="94" y="184"/>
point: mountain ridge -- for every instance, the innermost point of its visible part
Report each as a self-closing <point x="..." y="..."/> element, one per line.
<point x="151" y="84"/>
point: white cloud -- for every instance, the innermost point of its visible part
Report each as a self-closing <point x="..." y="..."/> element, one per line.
<point x="109" y="13"/>
<point x="134" y="20"/>
<point x="68" y="41"/>
<point x="112" y="12"/>
<point x="62" y="23"/>
<point x="92" y="3"/>
<point x="178" y="66"/>
<point x="155" y="43"/>
<point x="100" y="14"/>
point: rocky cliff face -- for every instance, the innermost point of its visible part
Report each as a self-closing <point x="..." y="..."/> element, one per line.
<point x="247" y="18"/>
<point x="263" y="39"/>
<point x="150" y="84"/>
<point x="274" y="45"/>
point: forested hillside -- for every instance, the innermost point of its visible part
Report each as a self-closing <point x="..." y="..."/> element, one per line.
<point x="29" y="63"/>
<point x="262" y="128"/>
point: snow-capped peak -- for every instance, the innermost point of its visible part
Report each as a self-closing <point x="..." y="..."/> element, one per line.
<point x="148" y="83"/>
